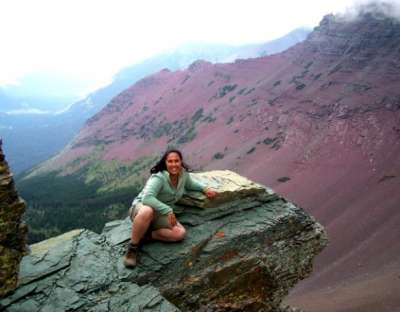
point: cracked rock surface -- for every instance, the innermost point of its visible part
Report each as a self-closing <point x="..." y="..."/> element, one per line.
<point x="242" y="253"/>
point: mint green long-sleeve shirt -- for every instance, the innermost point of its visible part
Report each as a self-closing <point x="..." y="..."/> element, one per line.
<point x="159" y="193"/>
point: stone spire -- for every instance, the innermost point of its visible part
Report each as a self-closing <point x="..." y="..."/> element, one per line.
<point x="12" y="229"/>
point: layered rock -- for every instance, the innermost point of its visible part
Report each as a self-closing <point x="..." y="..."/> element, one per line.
<point x="12" y="229"/>
<point x="242" y="254"/>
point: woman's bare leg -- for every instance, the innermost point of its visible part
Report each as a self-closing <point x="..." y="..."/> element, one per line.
<point x="141" y="223"/>
<point x="175" y="234"/>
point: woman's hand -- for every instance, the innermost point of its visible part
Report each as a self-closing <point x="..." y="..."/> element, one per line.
<point x="172" y="219"/>
<point x="210" y="193"/>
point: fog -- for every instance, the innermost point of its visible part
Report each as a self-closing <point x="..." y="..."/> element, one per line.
<point x="89" y="41"/>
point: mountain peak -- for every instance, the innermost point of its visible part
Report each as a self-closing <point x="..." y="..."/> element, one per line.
<point x="365" y="33"/>
<point x="373" y="14"/>
<point x="196" y="65"/>
<point x="375" y="10"/>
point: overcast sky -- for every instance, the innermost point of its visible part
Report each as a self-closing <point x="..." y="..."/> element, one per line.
<point x="92" y="40"/>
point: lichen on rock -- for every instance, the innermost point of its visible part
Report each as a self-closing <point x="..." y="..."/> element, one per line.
<point x="242" y="253"/>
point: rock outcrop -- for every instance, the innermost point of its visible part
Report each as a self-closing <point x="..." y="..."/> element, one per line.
<point x="242" y="252"/>
<point x="12" y="229"/>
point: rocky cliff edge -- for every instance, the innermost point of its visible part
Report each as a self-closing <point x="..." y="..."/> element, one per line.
<point x="243" y="252"/>
<point x="12" y="229"/>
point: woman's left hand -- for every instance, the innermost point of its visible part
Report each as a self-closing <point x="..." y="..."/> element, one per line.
<point x="210" y="193"/>
<point x="172" y="219"/>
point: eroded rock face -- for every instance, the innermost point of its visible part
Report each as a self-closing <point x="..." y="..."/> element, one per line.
<point x="242" y="254"/>
<point x="12" y="229"/>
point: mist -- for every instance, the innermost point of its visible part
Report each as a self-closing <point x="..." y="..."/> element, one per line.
<point x="376" y="8"/>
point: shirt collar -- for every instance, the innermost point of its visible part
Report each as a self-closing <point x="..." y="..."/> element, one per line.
<point x="181" y="174"/>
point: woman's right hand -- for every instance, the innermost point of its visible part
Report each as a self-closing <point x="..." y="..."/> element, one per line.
<point x="172" y="219"/>
<point x="210" y="193"/>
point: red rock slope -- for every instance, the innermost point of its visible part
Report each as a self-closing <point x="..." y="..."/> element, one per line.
<point x="320" y="123"/>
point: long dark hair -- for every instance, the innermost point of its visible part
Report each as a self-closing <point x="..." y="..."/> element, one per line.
<point x="161" y="164"/>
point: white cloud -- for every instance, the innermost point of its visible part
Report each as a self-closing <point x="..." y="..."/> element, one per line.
<point x="27" y="111"/>
<point x="387" y="7"/>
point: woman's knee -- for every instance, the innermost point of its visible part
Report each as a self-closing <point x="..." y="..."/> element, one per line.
<point x="146" y="212"/>
<point x="179" y="233"/>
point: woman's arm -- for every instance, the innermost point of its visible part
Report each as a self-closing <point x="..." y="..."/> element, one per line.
<point x="150" y="192"/>
<point x="193" y="185"/>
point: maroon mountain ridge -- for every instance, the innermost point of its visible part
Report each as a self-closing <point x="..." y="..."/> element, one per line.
<point x="319" y="123"/>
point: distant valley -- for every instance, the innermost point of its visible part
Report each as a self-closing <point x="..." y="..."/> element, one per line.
<point x="29" y="119"/>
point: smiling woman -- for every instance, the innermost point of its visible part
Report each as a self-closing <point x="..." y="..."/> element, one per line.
<point x="152" y="211"/>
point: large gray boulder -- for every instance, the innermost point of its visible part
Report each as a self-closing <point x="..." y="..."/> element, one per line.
<point x="243" y="252"/>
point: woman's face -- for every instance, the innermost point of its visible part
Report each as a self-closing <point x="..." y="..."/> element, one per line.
<point x="173" y="163"/>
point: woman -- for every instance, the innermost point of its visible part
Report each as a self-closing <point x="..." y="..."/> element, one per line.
<point x="153" y="210"/>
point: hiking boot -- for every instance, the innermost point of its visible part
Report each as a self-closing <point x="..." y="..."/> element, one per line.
<point x="130" y="255"/>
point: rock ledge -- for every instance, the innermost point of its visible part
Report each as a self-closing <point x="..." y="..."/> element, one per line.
<point x="242" y="253"/>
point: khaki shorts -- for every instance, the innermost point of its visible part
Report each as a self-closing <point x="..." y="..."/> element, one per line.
<point x="159" y="222"/>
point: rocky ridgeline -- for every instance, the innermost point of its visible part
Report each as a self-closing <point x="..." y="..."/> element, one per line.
<point x="365" y="37"/>
<point x="12" y="229"/>
<point x="243" y="252"/>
